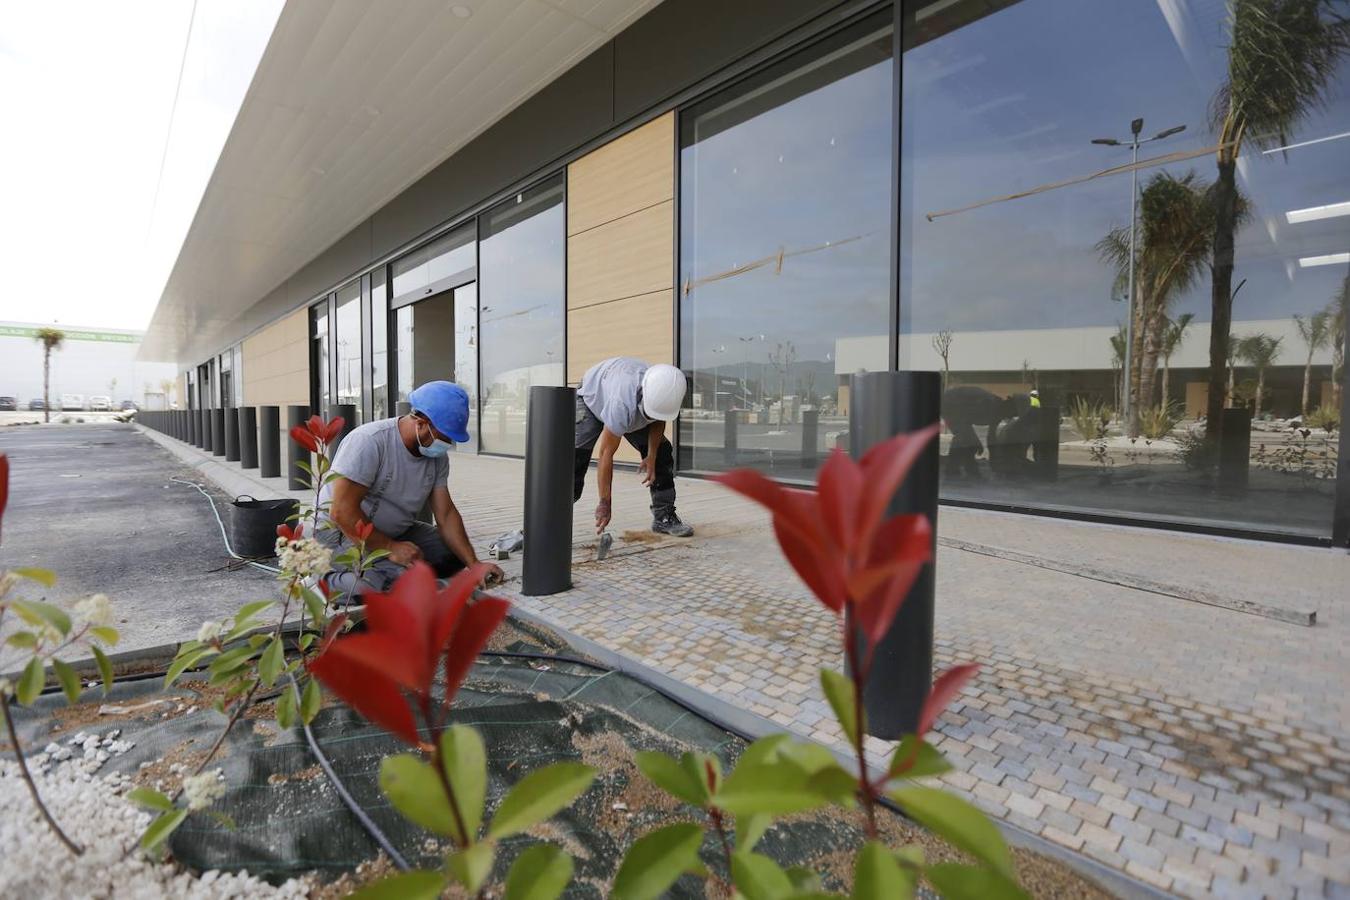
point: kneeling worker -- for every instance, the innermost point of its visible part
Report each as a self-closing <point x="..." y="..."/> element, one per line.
<point x="626" y="398"/>
<point x="387" y="471"/>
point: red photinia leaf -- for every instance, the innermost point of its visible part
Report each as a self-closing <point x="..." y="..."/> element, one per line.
<point x="368" y="691"/>
<point x="333" y="630"/>
<point x="839" y="489"/>
<point x="884" y="467"/>
<point x="364" y="530"/>
<point x="471" y="634"/>
<point x="315" y="426"/>
<point x="903" y="546"/>
<point x="405" y="614"/>
<point x="450" y="605"/>
<point x="289" y="533"/>
<point x="302" y="436"/>
<point x="805" y="558"/>
<point x="332" y="429"/>
<point x="4" y="484"/>
<point x="325" y="589"/>
<point x="384" y="654"/>
<point x="947" y="686"/>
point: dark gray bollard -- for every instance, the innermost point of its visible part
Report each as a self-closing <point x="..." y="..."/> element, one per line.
<point x="231" y="434"/>
<point x="810" y="438"/>
<point x="884" y="404"/>
<point x="248" y="437"/>
<point x="296" y="478"/>
<point x="269" y="441"/>
<point x="550" y="429"/>
<point x="199" y="428"/>
<point x="1235" y="451"/>
<point x="208" y="432"/>
<point x="730" y="426"/>
<point x="217" y="432"/>
<point x="348" y="413"/>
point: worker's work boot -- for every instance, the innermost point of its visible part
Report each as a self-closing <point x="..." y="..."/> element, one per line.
<point x="667" y="522"/>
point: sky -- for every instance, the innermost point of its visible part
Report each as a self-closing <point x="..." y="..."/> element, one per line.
<point x="101" y="173"/>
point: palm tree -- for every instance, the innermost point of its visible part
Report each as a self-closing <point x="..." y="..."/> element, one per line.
<point x="1176" y="224"/>
<point x="51" y="339"/>
<point x="1118" y="362"/>
<point x="1174" y="332"/>
<point x="1282" y="57"/>
<point x="1315" y="332"/>
<point x="1230" y="354"/>
<point x="1259" y="351"/>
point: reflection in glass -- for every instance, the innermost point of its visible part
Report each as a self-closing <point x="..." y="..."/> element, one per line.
<point x="379" y="345"/>
<point x="422" y="271"/>
<point x="1065" y="389"/>
<point x="319" y="355"/>
<point x="522" y="265"/>
<point x="435" y="342"/>
<point x="347" y="339"/>
<point x="785" y="187"/>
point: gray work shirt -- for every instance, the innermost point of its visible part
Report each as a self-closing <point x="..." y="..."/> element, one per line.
<point x="398" y="482"/>
<point x="610" y="389"/>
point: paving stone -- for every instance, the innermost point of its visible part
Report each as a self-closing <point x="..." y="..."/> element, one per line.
<point x="1100" y="837"/>
<point x="1147" y="800"/>
<point x="1143" y="873"/>
<point x="1211" y="842"/>
<point x="1158" y="822"/>
<point x="1143" y="854"/>
<point x="1090" y="813"/>
<point x="1130" y="828"/>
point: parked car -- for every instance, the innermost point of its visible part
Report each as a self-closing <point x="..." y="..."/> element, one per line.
<point x="36" y="405"/>
<point x="9" y="404"/>
<point x="128" y="404"/>
<point x="74" y="402"/>
<point x="100" y="403"/>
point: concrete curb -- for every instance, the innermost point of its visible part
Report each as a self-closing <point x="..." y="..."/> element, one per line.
<point x="226" y="476"/>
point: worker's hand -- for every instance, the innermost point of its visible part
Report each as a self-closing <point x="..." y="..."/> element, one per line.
<point x="494" y="576"/>
<point x="404" y="553"/>
<point x="602" y="516"/>
<point x="647" y="469"/>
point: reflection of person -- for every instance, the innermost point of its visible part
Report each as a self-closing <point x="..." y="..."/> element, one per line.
<point x="387" y="471"/>
<point x="1017" y="432"/>
<point x="963" y="408"/>
<point x="625" y="398"/>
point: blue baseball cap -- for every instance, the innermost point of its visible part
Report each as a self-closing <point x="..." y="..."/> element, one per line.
<point x="446" y="405"/>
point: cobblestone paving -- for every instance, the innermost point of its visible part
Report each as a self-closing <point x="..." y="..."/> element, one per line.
<point x="1195" y="797"/>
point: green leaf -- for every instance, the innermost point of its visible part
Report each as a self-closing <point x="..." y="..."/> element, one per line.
<point x="957" y="822"/>
<point x="105" y="633"/>
<point x="307" y="640"/>
<point x="30" y="683"/>
<point x="877" y="875"/>
<point x="416" y="791"/>
<point x="418" y="885"/>
<point x="44" y="577"/>
<point x="916" y="758"/>
<point x="541" y="872"/>
<point x="465" y="763"/>
<point x="273" y="658"/>
<point x="768" y="784"/>
<point x="804" y="880"/>
<point x="150" y="798"/>
<point x="673" y="778"/>
<point x="656" y="860"/>
<point x="314" y="604"/>
<point x="758" y="877"/>
<point x="839" y="691"/>
<point x="835" y="783"/>
<point x="311" y="701"/>
<point x="698" y="765"/>
<point x="539" y="795"/>
<point x="956" y="881"/>
<point x="37" y="613"/>
<point x="286" y="710"/>
<point x="25" y="640"/>
<point x="249" y="610"/>
<point x="184" y="661"/>
<point x="69" y="679"/>
<point x="471" y="866"/>
<point x="105" y="669"/>
<point x="232" y="659"/>
<point x="160" y="829"/>
<point x="749" y="829"/>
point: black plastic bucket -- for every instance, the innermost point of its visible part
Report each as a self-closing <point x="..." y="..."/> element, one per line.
<point x="253" y="525"/>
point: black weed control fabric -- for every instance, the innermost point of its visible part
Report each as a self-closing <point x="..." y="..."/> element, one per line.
<point x="286" y="819"/>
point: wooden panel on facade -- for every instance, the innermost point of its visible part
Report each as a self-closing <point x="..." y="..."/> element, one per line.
<point x="635" y="326"/>
<point x="623" y="258"/>
<point x="632" y="173"/>
<point x="276" y="363"/>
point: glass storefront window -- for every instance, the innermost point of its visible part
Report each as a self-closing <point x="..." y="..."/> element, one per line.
<point x="379" y="345"/>
<point x="347" y="343"/>
<point x="522" y="260"/>
<point x="785" y="211"/>
<point x="318" y="359"/>
<point x="227" y="378"/>
<point x="1065" y="390"/>
<point x="434" y="342"/>
<point x="445" y="262"/>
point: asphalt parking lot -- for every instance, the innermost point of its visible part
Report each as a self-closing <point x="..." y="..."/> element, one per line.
<point x="94" y="503"/>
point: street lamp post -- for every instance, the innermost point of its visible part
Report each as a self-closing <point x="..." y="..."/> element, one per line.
<point x="717" y="373"/>
<point x="745" y="369"/>
<point x="1136" y="126"/>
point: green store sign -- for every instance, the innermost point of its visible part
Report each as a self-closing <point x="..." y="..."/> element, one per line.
<point x="107" y="337"/>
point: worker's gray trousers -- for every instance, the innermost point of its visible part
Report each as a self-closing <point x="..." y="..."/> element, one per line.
<point x="588" y="432"/>
<point x="381" y="576"/>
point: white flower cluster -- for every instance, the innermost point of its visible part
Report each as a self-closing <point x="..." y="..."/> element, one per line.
<point x="96" y="610"/>
<point x="212" y="630"/>
<point x="204" y="789"/>
<point x="305" y="556"/>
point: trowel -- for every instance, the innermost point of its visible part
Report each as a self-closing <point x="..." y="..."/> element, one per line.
<point x="602" y="546"/>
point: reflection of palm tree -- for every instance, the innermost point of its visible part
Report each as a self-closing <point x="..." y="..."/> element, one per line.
<point x="1282" y="57"/>
<point x="1339" y="312"/>
<point x="1259" y="351"/>
<point x="1315" y="333"/>
<point x="1230" y="352"/>
<point x="1172" y="336"/>
<point x="1118" y="361"/>
<point x="51" y="339"/>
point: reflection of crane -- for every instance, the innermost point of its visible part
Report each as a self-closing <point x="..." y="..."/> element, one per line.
<point x="511" y="315"/>
<point x="775" y="259"/>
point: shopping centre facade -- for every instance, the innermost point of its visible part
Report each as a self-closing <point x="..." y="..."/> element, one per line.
<point x="773" y="196"/>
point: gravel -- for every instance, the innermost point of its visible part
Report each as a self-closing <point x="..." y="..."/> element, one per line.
<point x="94" y="812"/>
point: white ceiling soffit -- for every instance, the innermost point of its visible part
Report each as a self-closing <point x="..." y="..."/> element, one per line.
<point x="353" y="102"/>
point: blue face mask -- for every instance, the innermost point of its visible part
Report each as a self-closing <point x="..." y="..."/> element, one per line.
<point x="436" y="449"/>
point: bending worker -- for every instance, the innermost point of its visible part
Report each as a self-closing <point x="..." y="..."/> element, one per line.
<point x="625" y="398"/>
<point x="387" y="470"/>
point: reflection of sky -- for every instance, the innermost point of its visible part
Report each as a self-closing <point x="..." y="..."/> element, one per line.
<point x="813" y="170"/>
<point x="1012" y="101"/>
<point x="522" y="279"/>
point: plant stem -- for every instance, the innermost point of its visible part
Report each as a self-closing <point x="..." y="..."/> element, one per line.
<point x="720" y="825"/>
<point x="28" y="779"/>
<point x="438" y="764"/>
<point x="856" y="670"/>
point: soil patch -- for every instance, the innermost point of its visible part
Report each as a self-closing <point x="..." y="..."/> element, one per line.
<point x="642" y="537"/>
<point x="82" y="715"/>
<point x="166" y="773"/>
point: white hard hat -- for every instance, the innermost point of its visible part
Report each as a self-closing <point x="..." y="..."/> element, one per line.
<point x="663" y="389"/>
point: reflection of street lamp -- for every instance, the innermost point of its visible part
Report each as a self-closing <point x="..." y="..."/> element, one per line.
<point x="745" y="373"/>
<point x="717" y="381"/>
<point x="1136" y="126"/>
